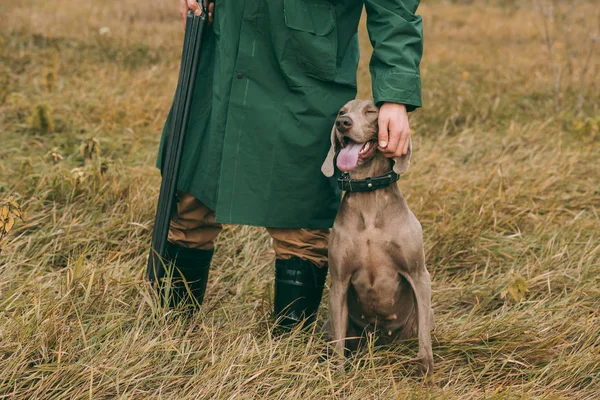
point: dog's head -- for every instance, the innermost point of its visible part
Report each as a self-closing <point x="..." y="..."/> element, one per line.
<point x="354" y="139"/>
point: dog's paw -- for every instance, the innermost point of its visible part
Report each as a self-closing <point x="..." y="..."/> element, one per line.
<point x="340" y="367"/>
<point x="425" y="363"/>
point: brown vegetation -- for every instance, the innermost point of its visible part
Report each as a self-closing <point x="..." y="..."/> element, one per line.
<point x="504" y="184"/>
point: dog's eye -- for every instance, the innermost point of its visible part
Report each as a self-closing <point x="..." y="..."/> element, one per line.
<point x="342" y="112"/>
<point x="371" y="111"/>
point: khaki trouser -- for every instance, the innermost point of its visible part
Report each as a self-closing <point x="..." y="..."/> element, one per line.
<point x="195" y="227"/>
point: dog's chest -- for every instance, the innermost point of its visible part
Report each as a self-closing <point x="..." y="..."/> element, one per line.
<point x="378" y="295"/>
<point x="387" y="305"/>
<point x="379" y="291"/>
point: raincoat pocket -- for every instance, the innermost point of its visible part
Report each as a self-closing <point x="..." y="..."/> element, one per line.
<point x="311" y="45"/>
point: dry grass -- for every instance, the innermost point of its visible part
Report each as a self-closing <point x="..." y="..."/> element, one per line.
<point x="506" y="189"/>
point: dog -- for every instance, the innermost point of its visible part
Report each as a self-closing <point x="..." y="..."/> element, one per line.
<point x="379" y="282"/>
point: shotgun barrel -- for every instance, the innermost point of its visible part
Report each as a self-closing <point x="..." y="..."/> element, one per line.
<point x="174" y="139"/>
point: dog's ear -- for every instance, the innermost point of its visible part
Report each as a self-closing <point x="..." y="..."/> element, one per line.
<point x="328" y="168"/>
<point x="401" y="163"/>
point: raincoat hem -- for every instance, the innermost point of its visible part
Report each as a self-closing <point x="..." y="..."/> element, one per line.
<point x="266" y="222"/>
<point x="274" y="224"/>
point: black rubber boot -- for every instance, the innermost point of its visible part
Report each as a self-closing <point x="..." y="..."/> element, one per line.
<point x="298" y="291"/>
<point x="185" y="267"/>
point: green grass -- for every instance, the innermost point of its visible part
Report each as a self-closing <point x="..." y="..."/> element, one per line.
<point x="505" y="186"/>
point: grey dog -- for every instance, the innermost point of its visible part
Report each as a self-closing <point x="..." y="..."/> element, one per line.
<point x="379" y="282"/>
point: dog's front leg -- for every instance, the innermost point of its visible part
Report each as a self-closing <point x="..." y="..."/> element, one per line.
<point x="422" y="288"/>
<point x="338" y="309"/>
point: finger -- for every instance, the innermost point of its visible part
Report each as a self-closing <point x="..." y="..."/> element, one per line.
<point x="211" y="11"/>
<point x="382" y="136"/>
<point x="401" y="146"/>
<point x="195" y="7"/>
<point x="183" y="10"/>
<point x="393" y="144"/>
<point x="402" y="142"/>
<point x="405" y="150"/>
<point x="184" y="17"/>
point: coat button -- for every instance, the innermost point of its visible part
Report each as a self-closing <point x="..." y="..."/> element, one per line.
<point x="239" y="75"/>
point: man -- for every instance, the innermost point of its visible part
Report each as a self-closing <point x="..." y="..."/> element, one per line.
<point x="272" y="77"/>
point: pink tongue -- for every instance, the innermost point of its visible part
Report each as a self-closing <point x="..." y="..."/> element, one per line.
<point x="348" y="157"/>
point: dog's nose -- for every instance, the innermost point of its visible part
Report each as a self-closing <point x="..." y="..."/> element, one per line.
<point x="343" y="123"/>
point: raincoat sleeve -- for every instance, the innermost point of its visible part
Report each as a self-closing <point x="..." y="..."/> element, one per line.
<point x="396" y="34"/>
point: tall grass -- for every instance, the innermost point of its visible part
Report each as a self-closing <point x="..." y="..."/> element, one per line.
<point x="505" y="187"/>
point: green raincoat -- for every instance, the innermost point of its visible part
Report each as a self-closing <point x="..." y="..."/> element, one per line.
<point x="273" y="75"/>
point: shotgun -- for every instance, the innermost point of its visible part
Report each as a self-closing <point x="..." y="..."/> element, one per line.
<point x="174" y="139"/>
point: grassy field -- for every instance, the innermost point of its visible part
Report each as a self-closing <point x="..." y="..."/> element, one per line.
<point x="505" y="182"/>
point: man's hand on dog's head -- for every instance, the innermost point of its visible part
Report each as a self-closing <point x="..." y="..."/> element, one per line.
<point x="394" y="130"/>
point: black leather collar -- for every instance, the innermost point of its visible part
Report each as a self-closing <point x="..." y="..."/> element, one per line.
<point x="348" y="184"/>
